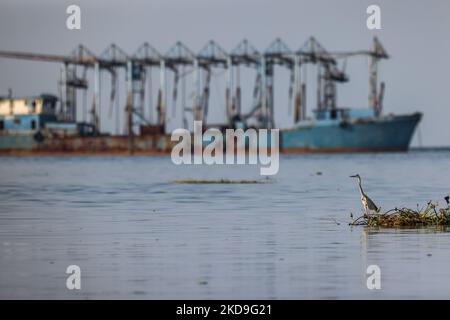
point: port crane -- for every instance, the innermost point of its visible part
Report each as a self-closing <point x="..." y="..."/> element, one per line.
<point x="376" y="53"/>
<point x="180" y="62"/>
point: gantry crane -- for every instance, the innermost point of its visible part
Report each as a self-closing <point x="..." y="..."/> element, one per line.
<point x="179" y="57"/>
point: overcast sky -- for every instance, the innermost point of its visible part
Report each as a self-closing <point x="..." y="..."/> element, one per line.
<point x="415" y="34"/>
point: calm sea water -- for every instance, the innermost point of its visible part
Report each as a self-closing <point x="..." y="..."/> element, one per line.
<point x="136" y="234"/>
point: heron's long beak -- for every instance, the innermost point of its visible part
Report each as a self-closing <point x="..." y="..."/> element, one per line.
<point x="355" y="176"/>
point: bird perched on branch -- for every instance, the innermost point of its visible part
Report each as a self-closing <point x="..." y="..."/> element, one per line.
<point x="367" y="203"/>
<point x="447" y="199"/>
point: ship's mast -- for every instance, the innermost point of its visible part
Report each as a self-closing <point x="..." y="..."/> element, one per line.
<point x="375" y="95"/>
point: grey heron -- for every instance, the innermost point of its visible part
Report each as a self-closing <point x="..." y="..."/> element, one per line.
<point x="367" y="203"/>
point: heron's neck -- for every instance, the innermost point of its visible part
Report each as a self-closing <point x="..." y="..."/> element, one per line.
<point x="360" y="187"/>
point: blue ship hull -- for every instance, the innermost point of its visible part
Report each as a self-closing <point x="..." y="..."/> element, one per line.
<point x="384" y="133"/>
<point x="355" y="134"/>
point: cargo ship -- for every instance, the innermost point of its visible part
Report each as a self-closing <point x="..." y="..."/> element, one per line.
<point x="30" y="126"/>
<point x="47" y="124"/>
<point x="351" y="130"/>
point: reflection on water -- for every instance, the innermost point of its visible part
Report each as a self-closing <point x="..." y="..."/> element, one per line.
<point x="136" y="234"/>
<point x="412" y="260"/>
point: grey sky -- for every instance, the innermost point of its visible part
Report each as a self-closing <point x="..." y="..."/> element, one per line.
<point x="415" y="34"/>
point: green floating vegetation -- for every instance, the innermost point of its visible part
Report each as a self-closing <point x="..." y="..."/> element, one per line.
<point x="429" y="216"/>
<point x="220" y="181"/>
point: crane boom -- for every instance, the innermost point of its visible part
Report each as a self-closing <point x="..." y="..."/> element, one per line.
<point x="48" y="57"/>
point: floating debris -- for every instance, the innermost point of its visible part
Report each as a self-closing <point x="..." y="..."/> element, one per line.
<point x="220" y="181"/>
<point x="202" y="282"/>
<point x="336" y="222"/>
<point x="431" y="215"/>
